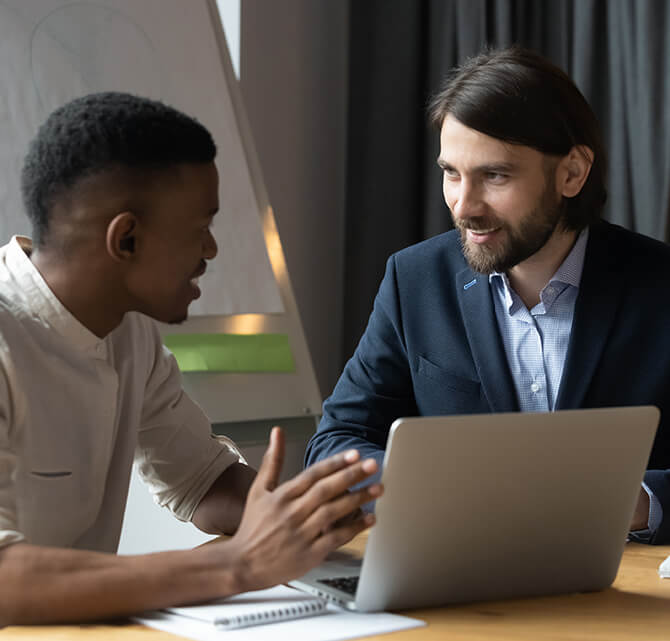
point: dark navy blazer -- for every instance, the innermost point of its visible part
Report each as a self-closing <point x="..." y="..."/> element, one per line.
<point x="432" y="346"/>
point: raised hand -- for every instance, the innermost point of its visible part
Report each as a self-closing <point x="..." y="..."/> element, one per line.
<point x="287" y="529"/>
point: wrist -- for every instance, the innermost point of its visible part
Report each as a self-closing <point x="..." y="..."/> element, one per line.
<point x="233" y="572"/>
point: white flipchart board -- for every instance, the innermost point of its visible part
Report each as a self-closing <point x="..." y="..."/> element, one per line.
<point x="175" y="51"/>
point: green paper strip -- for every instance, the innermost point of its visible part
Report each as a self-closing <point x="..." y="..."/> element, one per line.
<point x="231" y="352"/>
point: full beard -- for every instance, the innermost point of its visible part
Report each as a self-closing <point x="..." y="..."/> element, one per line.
<point x="515" y="244"/>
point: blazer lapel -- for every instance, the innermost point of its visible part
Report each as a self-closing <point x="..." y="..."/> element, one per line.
<point x="488" y="352"/>
<point x="600" y="293"/>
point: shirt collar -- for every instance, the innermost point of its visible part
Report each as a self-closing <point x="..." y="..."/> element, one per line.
<point x="569" y="272"/>
<point x="34" y="293"/>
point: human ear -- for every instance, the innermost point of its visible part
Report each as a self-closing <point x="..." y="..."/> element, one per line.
<point x="120" y="238"/>
<point x="574" y="169"/>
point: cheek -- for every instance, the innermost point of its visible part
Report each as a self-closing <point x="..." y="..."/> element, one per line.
<point x="449" y="193"/>
<point x="513" y="205"/>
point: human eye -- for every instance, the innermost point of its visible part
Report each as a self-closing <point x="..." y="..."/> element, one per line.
<point x="496" y="177"/>
<point x="450" y="172"/>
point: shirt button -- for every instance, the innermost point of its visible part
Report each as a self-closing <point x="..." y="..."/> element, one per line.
<point x="549" y="291"/>
<point x="534" y="388"/>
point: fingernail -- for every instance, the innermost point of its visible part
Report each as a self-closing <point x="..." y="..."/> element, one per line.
<point x="351" y="456"/>
<point x="369" y="465"/>
<point x="375" y="490"/>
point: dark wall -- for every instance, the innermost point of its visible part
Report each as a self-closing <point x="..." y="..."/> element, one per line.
<point x="293" y="74"/>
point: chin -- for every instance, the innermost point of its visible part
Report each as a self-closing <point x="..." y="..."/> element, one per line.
<point x="169" y="318"/>
<point x="176" y="320"/>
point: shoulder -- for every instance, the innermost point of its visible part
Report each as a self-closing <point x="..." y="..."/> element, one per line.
<point x="627" y="244"/>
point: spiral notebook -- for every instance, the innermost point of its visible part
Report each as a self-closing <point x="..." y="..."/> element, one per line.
<point x="259" y="607"/>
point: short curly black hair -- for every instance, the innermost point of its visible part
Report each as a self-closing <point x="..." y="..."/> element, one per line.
<point x="103" y="131"/>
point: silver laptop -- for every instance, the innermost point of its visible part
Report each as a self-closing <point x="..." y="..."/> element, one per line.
<point x="496" y="506"/>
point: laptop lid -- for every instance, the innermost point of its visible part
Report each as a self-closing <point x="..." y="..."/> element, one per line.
<point x="495" y="506"/>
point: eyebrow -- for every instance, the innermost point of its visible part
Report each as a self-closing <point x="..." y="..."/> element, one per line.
<point x="494" y="167"/>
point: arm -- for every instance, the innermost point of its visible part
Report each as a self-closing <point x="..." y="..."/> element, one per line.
<point x="641" y="514"/>
<point x="285" y="530"/>
<point x="658" y="481"/>
<point x="375" y="387"/>
<point x="220" y="510"/>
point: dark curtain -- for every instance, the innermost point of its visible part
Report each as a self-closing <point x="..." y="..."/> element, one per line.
<point x="617" y="52"/>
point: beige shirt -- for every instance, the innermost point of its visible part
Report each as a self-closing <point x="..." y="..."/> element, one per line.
<point x="76" y="409"/>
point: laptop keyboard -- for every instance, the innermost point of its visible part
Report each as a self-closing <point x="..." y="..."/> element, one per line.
<point x="346" y="584"/>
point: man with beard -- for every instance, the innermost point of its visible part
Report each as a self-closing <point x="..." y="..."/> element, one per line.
<point x="121" y="192"/>
<point x="532" y="303"/>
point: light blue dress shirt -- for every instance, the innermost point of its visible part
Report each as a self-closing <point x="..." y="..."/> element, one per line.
<point x="536" y="342"/>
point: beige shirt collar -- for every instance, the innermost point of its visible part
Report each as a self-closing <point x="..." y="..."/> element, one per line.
<point x="45" y="305"/>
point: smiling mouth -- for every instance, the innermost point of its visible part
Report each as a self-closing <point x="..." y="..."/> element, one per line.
<point x="483" y="232"/>
<point x="200" y="272"/>
<point x="195" y="280"/>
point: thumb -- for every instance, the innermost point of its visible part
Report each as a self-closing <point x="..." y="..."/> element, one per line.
<point x="273" y="460"/>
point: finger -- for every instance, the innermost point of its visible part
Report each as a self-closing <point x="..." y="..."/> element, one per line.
<point x="327" y="517"/>
<point x="337" y="537"/>
<point x="348" y="518"/>
<point x="337" y="484"/>
<point x="306" y="479"/>
<point x="273" y="460"/>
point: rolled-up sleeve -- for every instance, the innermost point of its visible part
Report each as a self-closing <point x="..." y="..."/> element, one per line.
<point x="177" y="455"/>
<point x="9" y="523"/>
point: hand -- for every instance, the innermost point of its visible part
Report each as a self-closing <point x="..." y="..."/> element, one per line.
<point x="641" y="514"/>
<point x="288" y="529"/>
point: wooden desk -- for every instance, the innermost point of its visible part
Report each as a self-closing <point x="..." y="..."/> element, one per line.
<point x="636" y="607"/>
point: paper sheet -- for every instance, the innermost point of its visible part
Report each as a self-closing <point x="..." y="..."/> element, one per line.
<point x="259" y="607"/>
<point x="336" y="625"/>
<point x="664" y="569"/>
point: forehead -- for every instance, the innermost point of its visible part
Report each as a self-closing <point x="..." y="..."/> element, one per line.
<point x="467" y="149"/>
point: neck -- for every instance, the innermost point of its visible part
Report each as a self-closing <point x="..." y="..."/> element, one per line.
<point x="81" y="288"/>
<point x="531" y="276"/>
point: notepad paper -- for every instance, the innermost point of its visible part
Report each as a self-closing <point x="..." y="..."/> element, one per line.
<point x="664" y="569"/>
<point x="259" y="607"/>
<point x="335" y="625"/>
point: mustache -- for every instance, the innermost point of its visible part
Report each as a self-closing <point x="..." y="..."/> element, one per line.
<point x="479" y="223"/>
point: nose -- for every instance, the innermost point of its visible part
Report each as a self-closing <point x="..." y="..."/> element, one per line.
<point x="462" y="198"/>
<point x="209" y="249"/>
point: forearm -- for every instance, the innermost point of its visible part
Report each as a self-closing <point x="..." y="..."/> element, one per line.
<point x="286" y="530"/>
<point x="327" y="442"/>
<point x="220" y="510"/>
<point x="54" y="585"/>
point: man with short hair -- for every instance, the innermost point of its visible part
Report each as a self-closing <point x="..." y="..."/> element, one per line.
<point x="121" y="192"/>
<point x="532" y="303"/>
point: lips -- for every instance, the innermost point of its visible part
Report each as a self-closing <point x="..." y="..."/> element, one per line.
<point x="481" y="236"/>
<point x="202" y="268"/>
<point x="196" y="277"/>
